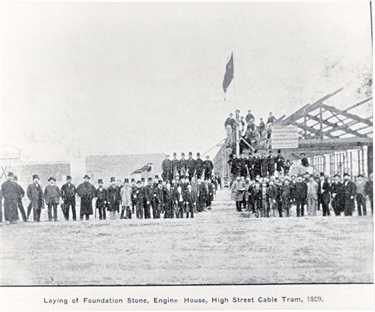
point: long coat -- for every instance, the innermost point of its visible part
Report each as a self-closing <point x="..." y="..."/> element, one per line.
<point x="35" y="194"/>
<point x="126" y="195"/>
<point x="238" y="190"/>
<point x="9" y="192"/>
<point x="52" y="194"/>
<point x="87" y="192"/>
<point x="113" y="198"/>
<point x="349" y="191"/>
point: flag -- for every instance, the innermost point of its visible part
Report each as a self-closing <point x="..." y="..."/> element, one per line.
<point x="145" y="168"/>
<point x="229" y="74"/>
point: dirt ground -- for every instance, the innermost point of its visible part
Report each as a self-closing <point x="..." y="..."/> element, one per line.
<point x="220" y="246"/>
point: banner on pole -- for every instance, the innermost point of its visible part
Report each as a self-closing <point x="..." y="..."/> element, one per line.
<point x="284" y="137"/>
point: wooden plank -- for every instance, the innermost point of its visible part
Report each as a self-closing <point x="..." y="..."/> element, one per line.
<point x="337" y="128"/>
<point x="346" y="114"/>
<point x="312" y="130"/>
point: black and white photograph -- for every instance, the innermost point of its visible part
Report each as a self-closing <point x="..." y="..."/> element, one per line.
<point x="186" y="144"/>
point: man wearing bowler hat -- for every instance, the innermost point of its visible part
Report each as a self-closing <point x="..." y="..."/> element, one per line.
<point x="35" y="194"/>
<point x="52" y="198"/>
<point x="9" y="192"/>
<point x="114" y="198"/>
<point x="68" y="195"/>
<point x="86" y="191"/>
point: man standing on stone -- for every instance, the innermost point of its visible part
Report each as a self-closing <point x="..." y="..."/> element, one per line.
<point x="68" y="195"/>
<point x="86" y="191"/>
<point x="35" y="194"/>
<point x="166" y="168"/>
<point x="20" y="195"/>
<point x="191" y="165"/>
<point x="52" y="198"/>
<point x="208" y="167"/>
<point x="9" y="192"/>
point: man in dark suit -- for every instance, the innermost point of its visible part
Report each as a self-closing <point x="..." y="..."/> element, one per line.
<point x="369" y="190"/>
<point x="9" y="192"/>
<point x="279" y="160"/>
<point x="35" y="194"/>
<point x="337" y="195"/>
<point x="68" y="195"/>
<point x="300" y="195"/>
<point x="20" y="195"/>
<point x="101" y="200"/>
<point x="304" y="161"/>
<point x="208" y="167"/>
<point x="349" y="191"/>
<point x="324" y="193"/>
<point x="271" y="164"/>
<point x="175" y="166"/>
<point x="166" y="167"/>
<point x="199" y="166"/>
<point x="191" y="165"/>
<point x="182" y="166"/>
<point x="114" y="198"/>
<point x="243" y="165"/>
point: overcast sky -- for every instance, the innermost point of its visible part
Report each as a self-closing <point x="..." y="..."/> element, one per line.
<point x="114" y="78"/>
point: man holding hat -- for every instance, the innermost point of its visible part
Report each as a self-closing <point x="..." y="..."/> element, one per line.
<point x="86" y="191"/>
<point x="9" y="192"/>
<point x="35" y="194"/>
<point x="101" y="195"/>
<point x="349" y="192"/>
<point x="68" y="195"/>
<point x="52" y="198"/>
<point x="20" y="195"/>
<point x="114" y="198"/>
<point x="126" y="200"/>
<point x="191" y="165"/>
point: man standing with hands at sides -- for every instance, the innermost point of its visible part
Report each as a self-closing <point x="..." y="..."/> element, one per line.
<point x="199" y="166"/>
<point x="101" y="195"/>
<point x="191" y="166"/>
<point x="279" y="160"/>
<point x="182" y="166"/>
<point x="86" y="191"/>
<point x="35" y="194"/>
<point x="166" y="167"/>
<point x="325" y="195"/>
<point x="300" y="195"/>
<point x="361" y="196"/>
<point x="208" y="167"/>
<point x="113" y="198"/>
<point x="175" y="166"/>
<point x="312" y="196"/>
<point x="68" y="195"/>
<point x="52" y="198"/>
<point x="349" y="192"/>
<point x="134" y="197"/>
<point x="238" y="190"/>
<point x="9" y="192"/>
<point x="191" y="201"/>
<point x="20" y="194"/>
<point x="337" y="198"/>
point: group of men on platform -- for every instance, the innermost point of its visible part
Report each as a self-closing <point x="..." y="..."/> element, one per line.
<point x="187" y="168"/>
<point x="174" y="198"/>
<point x="265" y="196"/>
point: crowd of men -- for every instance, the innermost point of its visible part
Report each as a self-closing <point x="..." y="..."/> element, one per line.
<point x="180" y="192"/>
<point x="276" y="195"/>
<point x="250" y="134"/>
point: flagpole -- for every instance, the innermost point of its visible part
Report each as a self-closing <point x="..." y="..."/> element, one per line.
<point x="235" y="108"/>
